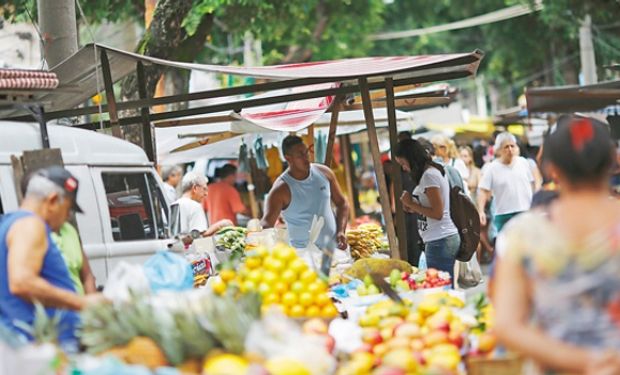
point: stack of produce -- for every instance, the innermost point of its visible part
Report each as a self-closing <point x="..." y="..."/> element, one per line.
<point x="231" y="238"/>
<point x="406" y="339"/>
<point x="365" y="240"/>
<point x="282" y="279"/>
<point x="181" y="332"/>
<point x="420" y="279"/>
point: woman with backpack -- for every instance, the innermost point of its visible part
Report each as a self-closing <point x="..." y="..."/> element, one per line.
<point x="430" y="200"/>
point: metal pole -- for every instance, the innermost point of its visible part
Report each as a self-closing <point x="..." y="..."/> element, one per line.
<point x="59" y="29"/>
<point x="401" y="228"/>
<point x="376" y="159"/>
<point x="109" y="93"/>
<point x="147" y="128"/>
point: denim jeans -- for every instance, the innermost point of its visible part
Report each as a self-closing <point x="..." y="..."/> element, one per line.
<point x="441" y="253"/>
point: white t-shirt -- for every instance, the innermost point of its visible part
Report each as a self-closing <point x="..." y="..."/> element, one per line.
<point x="511" y="185"/>
<point x="431" y="229"/>
<point x="192" y="216"/>
<point x="170" y="191"/>
<point x="460" y="166"/>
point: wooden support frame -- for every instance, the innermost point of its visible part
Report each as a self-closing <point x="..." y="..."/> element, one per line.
<point x="147" y="128"/>
<point x="333" y="124"/>
<point x="109" y="93"/>
<point x="379" y="173"/>
<point x="345" y="142"/>
<point x="397" y="180"/>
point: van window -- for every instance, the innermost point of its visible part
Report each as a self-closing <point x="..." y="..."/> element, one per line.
<point x="135" y="204"/>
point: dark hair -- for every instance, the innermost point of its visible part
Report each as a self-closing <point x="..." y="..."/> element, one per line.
<point x="289" y="142"/>
<point x="581" y="148"/>
<point x="226" y="170"/>
<point x="428" y="146"/>
<point x="405" y="134"/>
<point x="418" y="158"/>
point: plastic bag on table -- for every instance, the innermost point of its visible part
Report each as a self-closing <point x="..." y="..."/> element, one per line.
<point x="126" y="277"/>
<point x="168" y="271"/>
<point x="422" y="262"/>
<point x="28" y="360"/>
<point x="469" y="274"/>
<point x="276" y="336"/>
<point x="312" y="254"/>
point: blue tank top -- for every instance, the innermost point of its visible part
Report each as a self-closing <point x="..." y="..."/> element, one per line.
<point x="53" y="270"/>
<point x="309" y="197"/>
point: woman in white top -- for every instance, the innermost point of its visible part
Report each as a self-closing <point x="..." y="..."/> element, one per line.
<point x="445" y="149"/>
<point x="467" y="156"/>
<point x="431" y="201"/>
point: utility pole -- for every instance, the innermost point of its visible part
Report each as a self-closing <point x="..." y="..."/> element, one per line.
<point x="59" y="29"/>
<point x="586" y="50"/>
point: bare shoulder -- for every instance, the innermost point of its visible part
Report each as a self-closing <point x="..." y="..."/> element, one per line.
<point x="325" y="170"/>
<point x="31" y="225"/>
<point x="280" y="190"/>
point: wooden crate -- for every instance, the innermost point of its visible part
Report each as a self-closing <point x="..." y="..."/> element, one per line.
<point x="509" y="365"/>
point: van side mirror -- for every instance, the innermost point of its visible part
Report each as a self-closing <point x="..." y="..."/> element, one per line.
<point x="174" y="224"/>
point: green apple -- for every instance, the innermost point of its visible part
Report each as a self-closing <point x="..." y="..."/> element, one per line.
<point x="372" y="289"/>
<point x="367" y="280"/>
<point x="361" y="290"/>
<point x="395" y="276"/>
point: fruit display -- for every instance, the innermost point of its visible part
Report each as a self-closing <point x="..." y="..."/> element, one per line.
<point x="231" y="238"/>
<point x="419" y="279"/>
<point x="410" y="339"/>
<point x="282" y="279"/>
<point x="181" y="333"/>
<point x="365" y="240"/>
<point x="381" y="267"/>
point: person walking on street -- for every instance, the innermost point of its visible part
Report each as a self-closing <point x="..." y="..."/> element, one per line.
<point x="223" y="200"/>
<point x="557" y="283"/>
<point x="431" y="201"/>
<point x="508" y="179"/>
<point x="172" y="176"/>
<point x="467" y="155"/>
<point x="192" y="215"/>
<point x="445" y="149"/>
<point x="303" y="191"/>
<point x="31" y="265"/>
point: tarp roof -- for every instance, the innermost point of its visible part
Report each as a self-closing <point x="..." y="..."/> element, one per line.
<point x="171" y="138"/>
<point x="573" y="98"/>
<point x="80" y="75"/>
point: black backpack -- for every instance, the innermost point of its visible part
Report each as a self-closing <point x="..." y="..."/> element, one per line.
<point x="465" y="216"/>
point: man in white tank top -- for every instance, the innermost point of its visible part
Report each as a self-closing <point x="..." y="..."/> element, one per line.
<point x="303" y="191"/>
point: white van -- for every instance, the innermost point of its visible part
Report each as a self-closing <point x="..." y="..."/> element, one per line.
<point x="125" y="210"/>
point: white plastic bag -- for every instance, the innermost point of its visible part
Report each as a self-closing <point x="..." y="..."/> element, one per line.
<point x="123" y="278"/>
<point x="469" y="273"/>
<point x="312" y="254"/>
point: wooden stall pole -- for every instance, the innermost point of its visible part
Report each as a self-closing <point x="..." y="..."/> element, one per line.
<point x="147" y="128"/>
<point x="376" y="159"/>
<point x="311" y="143"/>
<point x="345" y="145"/>
<point x="109" y="93"/>
<point x="333" y="123"/>
<point x="401" y="228"/>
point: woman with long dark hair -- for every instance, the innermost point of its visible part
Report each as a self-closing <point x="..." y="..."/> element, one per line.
<point x="557" y="286"/>
<point x="430" y="200"/>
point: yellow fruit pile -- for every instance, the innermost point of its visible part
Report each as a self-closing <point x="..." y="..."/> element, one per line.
<point x="423" y="338"/>
<point x="365" y="240"/>
<point x="282" y="279"/>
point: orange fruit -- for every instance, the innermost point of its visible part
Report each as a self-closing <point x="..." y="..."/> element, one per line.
<point x="289" y="299"/>
<point x="322" y="299"/>
<point x="296" y="311"/>
<point x="329" y="311"/>
<point x="306" y="299"/>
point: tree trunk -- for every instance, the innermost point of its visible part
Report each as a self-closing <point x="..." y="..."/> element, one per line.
<point x="165" y="38"/>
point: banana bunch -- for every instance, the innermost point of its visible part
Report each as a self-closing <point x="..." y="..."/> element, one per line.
<point x="375" y="232"/>
<point x="363" y="243"/>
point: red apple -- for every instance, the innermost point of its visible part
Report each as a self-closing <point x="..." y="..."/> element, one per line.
<point x="330" y="343"/>
<point x="371" y="336"/>
<point x="404" y="275"/>
<point x="431" y="273"/>
<point x="456" y="339"/>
